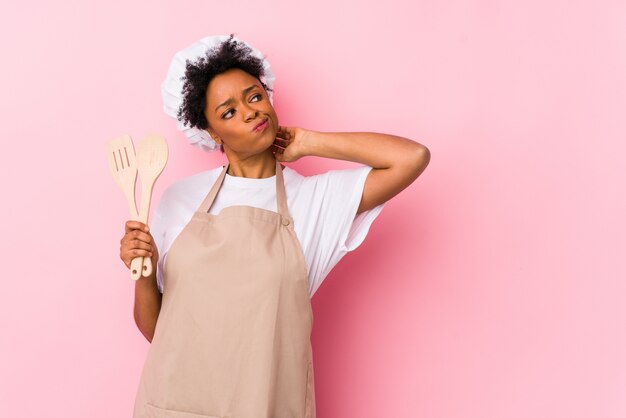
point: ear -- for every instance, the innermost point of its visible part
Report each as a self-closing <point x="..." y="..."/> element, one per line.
<point x="214" y="136"/>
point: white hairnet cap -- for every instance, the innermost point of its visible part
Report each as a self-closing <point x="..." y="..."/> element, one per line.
<point x="172" y="87"/>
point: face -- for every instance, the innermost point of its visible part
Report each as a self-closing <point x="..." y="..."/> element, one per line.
<point x="236" y="103"/>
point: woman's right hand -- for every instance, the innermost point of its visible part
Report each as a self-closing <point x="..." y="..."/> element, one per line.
<point x="138" y="242"/>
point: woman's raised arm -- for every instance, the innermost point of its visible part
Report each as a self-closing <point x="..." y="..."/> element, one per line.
<point x="396" y="161"/>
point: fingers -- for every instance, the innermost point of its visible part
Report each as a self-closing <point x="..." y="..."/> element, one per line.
<point x="284" y="131"/>
<point x="278" y="149"/>
<point x="130" y="225"/>
<point x="131" y="243"/>
<point x="137" y="234"/>
<point x="128" y="253"/>
<point x="136" y="242"/>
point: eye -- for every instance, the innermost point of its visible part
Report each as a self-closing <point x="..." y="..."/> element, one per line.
<point x="259" y="95"/>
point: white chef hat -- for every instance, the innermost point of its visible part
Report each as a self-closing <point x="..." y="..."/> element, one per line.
<point x="172" y="87"/>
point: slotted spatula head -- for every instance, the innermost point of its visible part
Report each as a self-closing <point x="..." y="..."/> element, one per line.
<point x="151" y="157"/>
<point x="151" y="160"/>
<point x="122" y="162"/>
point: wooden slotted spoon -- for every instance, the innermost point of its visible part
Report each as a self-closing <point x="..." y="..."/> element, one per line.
<point x="121" y="156"/>
<point x="151" y="160"/>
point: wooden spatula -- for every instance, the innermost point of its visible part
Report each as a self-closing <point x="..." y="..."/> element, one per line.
<point x="121" y="155"/>
<point x="151" y="159"/>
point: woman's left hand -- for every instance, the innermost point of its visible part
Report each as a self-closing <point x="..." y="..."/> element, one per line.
<point x="289" y="143"/>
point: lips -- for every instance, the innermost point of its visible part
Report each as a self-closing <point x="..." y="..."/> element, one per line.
<point x="260" y="126"/>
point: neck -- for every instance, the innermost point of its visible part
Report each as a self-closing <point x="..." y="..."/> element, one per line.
<point x="257" y="166"/>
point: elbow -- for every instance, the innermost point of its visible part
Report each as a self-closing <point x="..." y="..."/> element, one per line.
<point x="146" y="331"/>
<point x="423" y="156"/>
<point x="418" y="161"/>
<point x="423" y="160"/>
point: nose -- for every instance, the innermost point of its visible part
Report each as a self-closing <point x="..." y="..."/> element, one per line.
<point x="250" y="113"/>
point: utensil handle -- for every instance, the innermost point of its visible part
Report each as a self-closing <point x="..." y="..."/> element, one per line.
<point x="147" y="266"/>
<point x="136" y="267"/>
<point x="144" y="211"/>
<point x="144" y="265"/>
<point x="136" y="263"/>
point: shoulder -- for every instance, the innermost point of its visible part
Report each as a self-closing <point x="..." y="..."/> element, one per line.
<point x="187" y="188"/>
<point x="330" y="178"/>
<point x="333" y="187"/>
<point x="292" y="176"/>
<point x="192" y="180"/>
<point x="336" y="173"/>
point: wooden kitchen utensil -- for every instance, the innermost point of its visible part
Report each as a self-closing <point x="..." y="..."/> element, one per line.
<point x="121" y="156"/>
<point x="151" y="159"/>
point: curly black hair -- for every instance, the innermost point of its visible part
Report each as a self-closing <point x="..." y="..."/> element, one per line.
<point x="229" y="54"/>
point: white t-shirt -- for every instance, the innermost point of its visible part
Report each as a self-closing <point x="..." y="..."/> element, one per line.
<point x="322" y="206"/>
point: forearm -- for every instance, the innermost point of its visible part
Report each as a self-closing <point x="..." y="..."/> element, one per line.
<point x="373" y="149"/>
<point x="147" y="304"/>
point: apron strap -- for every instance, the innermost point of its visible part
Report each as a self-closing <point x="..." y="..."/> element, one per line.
<point x="208" y="200"/>
<point x="281" y="196"/>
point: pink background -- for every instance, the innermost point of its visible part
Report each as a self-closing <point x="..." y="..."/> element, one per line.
<point x="492" y="287"/>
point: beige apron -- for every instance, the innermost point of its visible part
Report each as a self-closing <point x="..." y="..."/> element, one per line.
<point x="233" y="338"/>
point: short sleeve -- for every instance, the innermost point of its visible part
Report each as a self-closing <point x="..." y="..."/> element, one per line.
<point x="339" y="229"/>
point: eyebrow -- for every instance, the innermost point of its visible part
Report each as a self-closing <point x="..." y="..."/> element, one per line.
<point x="243" y="93"/>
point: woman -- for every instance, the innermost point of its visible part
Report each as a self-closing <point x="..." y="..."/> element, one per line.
<point x="241" y="248"/>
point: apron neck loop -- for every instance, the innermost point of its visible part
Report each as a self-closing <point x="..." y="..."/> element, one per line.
<point x="281" y="196"/>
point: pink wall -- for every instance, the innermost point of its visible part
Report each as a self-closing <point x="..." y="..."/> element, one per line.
<point x="492" y="287"/>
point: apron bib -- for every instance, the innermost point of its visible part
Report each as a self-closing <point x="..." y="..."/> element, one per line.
<point x="233" y="337"/>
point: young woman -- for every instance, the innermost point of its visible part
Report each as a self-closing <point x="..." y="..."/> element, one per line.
<point x="240" y="249"/>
